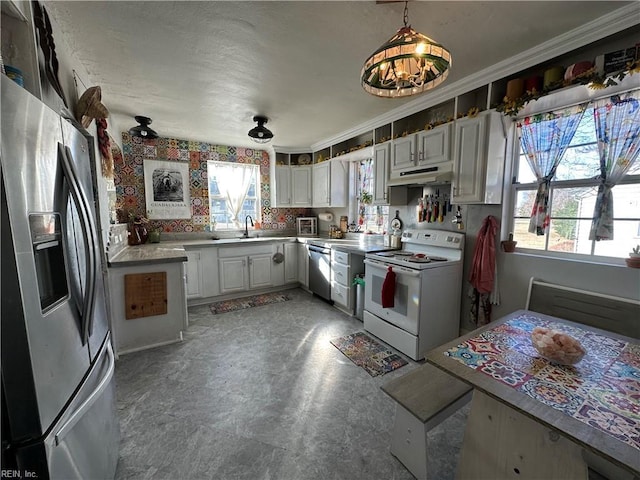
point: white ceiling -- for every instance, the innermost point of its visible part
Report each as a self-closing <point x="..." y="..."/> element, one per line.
<point x="202" y="70"/>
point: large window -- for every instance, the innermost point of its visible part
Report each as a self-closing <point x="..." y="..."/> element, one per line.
<point x="371" y="218"/>
<point x="572" y="199"/>
<point x="234" y="193"/>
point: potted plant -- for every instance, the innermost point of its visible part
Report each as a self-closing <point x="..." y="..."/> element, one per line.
<point x="509" y="245"/>
<point x="366" y="198"/>
<point x="634" y="257"/>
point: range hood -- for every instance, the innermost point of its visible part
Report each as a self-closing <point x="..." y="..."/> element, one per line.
<point x="442" y="173"/>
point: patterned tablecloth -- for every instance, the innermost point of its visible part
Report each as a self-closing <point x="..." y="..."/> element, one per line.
<point x="602" y="390"/>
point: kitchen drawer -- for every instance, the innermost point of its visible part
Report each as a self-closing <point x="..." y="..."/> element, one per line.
<point x="339" y="257"/>
<point x="341" y="294"/>
<point x="340" y="274"/>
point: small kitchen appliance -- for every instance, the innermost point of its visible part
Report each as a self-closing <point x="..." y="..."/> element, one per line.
<point x="307" y="226"/>
<point x="425" y="311"/>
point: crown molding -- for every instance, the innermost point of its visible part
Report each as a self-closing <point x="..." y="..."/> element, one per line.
<point x="293" y="149"/>
<point x="609" y="24"/>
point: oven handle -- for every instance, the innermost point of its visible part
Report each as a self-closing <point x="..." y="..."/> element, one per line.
<point x="384" y="266"/>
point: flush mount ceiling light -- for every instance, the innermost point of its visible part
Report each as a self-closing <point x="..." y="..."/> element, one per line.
<point x="260" y="134"/>
<point x="407" y="64"/>
<point x="143" y="129"/>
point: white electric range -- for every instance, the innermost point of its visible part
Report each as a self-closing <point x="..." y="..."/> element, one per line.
<point x="427" y="293"/>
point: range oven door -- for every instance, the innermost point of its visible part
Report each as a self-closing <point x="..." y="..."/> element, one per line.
<point x="406" y="299"/>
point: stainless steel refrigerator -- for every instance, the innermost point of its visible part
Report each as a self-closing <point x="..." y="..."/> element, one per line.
<point x="59" y="417"/>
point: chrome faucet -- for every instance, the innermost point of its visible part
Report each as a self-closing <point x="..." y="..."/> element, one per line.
<point x="246" y="228"/>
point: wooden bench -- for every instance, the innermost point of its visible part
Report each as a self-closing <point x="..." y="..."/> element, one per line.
<point x="425" y="397"/>
<point x="608" y="312"/>
<point x="615" y="314"/>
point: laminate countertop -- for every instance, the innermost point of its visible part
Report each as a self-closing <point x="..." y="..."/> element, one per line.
<point x="148" y="254"/>
<point x="175" y="250"/>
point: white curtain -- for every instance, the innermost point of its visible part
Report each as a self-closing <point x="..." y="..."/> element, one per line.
<point x="233" y="182"/>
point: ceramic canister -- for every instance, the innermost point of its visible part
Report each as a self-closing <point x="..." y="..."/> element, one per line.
<point x="533" y="84"/>
<point x="515" y="88"/>
<point x="552" y="76"/>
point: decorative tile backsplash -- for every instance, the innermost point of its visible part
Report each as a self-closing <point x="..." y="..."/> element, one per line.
<point x="129" y="180"/>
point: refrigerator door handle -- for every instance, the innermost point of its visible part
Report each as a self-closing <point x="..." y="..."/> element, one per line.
<point x="91" y="399"/>
<point x="89" y="241"/>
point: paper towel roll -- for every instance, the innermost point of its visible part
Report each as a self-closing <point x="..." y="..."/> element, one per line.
<point x="326" y="217"/>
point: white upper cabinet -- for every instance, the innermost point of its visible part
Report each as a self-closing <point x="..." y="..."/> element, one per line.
<point x="291" y="182"/>
<point x="434" y="146"/>
<point x="330" y="184"/>
<point x="421" y="150"/>
<point x="301" y="186"/>
<point x="383" y="193"/>
<point x="403" y="153"/>
<point x="479" y="158"/>
<point x="381" y="173"/>
<point x="283" y="186"/>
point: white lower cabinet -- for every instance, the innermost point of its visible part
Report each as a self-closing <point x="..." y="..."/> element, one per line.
<point x="290" y="262"/>
<point x="201" y="273"/>
<point x="344" y="267"/>
<point x="193" y="274"/>
<point x="303" y="264"/>
<point x="244" y="268"/>
<point x="233" y="274"/>
<point x="130" y="335"/>
<point x="260" y="270"/>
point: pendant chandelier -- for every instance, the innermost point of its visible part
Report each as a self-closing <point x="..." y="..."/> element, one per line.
<point x="407" y="64"/>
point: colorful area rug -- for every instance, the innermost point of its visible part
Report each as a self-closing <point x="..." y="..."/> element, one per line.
<point x="365" y="352"/>
<point x="247" y="302"/>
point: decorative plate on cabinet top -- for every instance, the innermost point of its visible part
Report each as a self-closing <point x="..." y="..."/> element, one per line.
<point x="304" y="159"/>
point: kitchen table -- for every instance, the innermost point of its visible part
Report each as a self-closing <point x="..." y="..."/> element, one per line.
<point x="535" y="419"/>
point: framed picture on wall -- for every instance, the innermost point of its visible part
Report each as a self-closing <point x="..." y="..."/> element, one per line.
<point x="166" y="189"/>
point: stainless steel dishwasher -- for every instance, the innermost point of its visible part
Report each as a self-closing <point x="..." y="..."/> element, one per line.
<point x="320" y="271"/>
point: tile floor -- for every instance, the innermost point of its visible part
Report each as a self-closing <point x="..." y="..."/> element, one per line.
<point x="261" y="394"/>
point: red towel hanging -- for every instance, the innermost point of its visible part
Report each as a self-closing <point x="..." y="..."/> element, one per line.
<point x="388" y="289"/>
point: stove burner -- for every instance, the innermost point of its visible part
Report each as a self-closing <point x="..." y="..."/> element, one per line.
<point x="424" y="259"/>
<point x="418" y="259"/>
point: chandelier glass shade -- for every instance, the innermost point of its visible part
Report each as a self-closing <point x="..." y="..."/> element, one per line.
<point x="409" y="63"/>
<point x="260" y="134"/>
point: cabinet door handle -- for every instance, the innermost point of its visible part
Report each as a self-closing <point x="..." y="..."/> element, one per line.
<point x="244" y="263"/>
